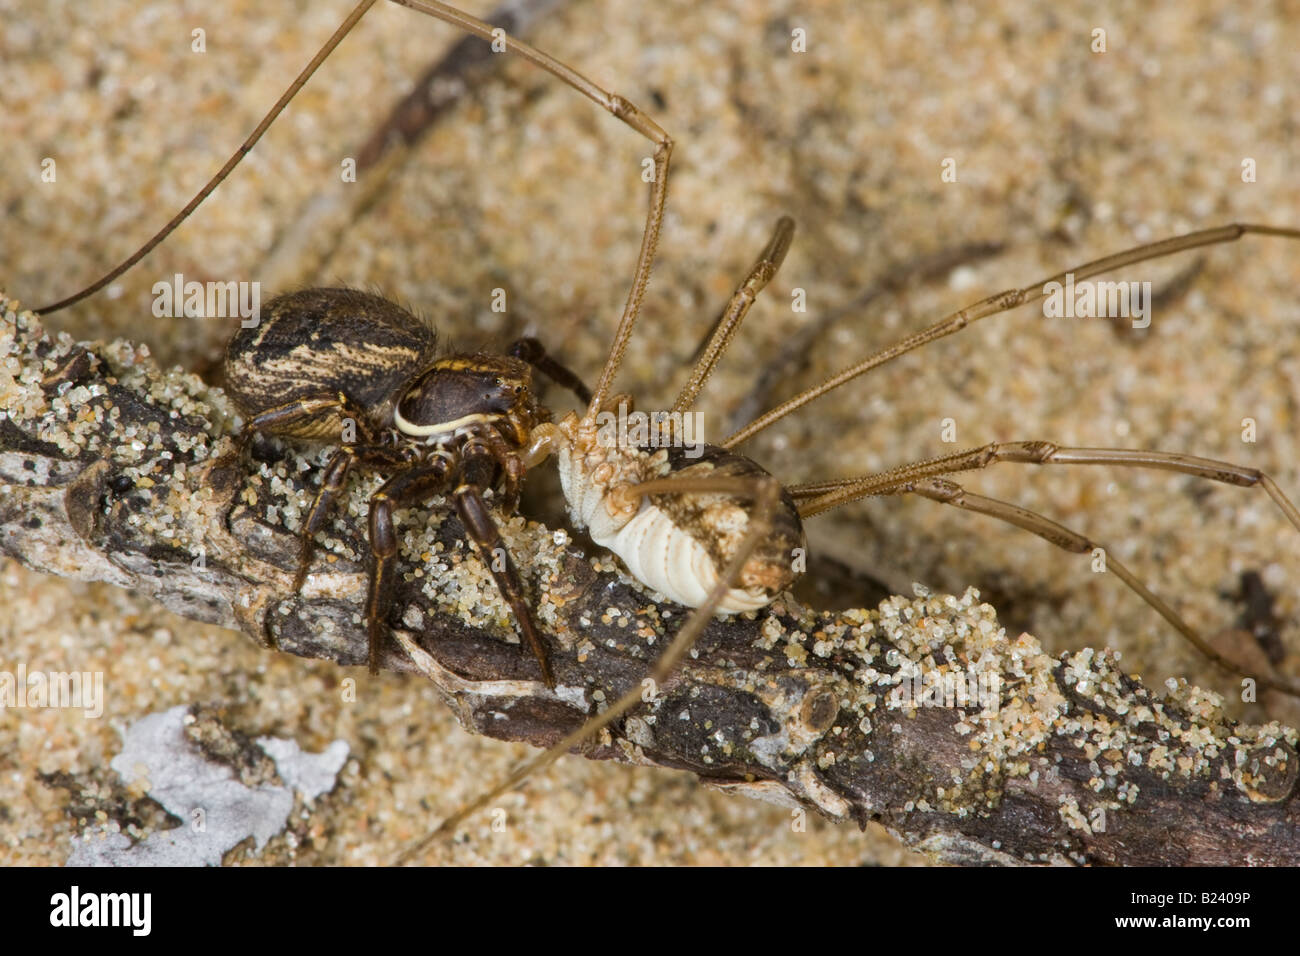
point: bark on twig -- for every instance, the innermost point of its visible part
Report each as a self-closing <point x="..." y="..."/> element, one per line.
<point x="118" y="475"/>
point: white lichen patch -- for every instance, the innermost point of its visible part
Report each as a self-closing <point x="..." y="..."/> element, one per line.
<point x="158" y="759"/>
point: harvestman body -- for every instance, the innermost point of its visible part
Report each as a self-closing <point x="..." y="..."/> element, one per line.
<point x="717" y="533"/>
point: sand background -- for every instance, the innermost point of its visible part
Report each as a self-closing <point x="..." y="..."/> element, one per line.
<point x="1062" y="155"/>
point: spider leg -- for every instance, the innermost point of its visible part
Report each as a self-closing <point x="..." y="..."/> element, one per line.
<point x="532" y="351"/>
<point x="416" y="484"/>
<point x="482" y="531"/>
<point x="332" y="483"/>
<point x="766" y="493"/>
<point x="299" y="418"/>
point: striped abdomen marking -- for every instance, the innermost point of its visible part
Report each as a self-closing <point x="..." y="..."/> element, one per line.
<point x="327" y="340"/>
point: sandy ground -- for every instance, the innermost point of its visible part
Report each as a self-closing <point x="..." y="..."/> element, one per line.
<point x="1062" y="154"/>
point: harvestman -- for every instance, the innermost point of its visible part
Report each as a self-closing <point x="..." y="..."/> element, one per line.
<point x="925" y="478"/>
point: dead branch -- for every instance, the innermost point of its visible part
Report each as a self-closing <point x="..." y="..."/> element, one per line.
<point x="120" y="473"/>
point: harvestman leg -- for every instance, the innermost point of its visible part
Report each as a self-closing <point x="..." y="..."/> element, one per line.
<point x="612" y="103"/>
<point x="623" y="110"/>
<point x="818" y="497"/>
<point x="728" y="324"/>
<point x="766" y="494"/>
<point x="950" y="493"/>
<point x="335" y="39"/>
<point x="1003" y="302"/>
<point x="824" y="495"/>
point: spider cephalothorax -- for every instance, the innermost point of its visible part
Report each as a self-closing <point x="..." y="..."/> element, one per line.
<point x="460" y="393"/>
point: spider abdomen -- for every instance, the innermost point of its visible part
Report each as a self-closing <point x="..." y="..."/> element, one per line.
<point x="327" y="341"/>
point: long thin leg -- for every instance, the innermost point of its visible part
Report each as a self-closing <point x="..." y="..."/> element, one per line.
<point x="623" y="110"/>
<point x="487" y="541"/>
<point x="766" y="494"/>
<point x="950" y="493"/>
<point x="613" y="103"/>
<point x="824" y="495"/>
<point x="335" y="39"/>
<point x="724" y="330"/>
<point x="1003" y="302"/>
<point x="532" y="351"/>
<point x="417" y="484"/>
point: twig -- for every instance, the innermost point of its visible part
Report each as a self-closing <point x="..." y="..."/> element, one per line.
<point x="119" y="475"/>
